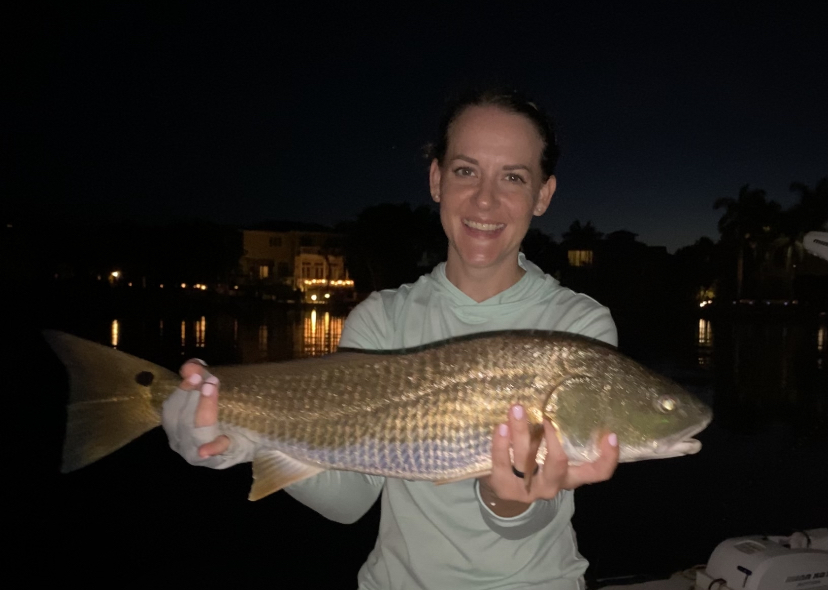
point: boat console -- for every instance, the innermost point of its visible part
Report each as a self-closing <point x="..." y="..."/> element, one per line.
<point x="768" y="563"/>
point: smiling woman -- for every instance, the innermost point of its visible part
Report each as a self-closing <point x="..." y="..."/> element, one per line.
<point x="489" y="184"/>
<point x="492" y="171"/>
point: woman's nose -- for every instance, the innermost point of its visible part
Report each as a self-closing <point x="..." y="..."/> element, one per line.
<point x="486" y="195"/>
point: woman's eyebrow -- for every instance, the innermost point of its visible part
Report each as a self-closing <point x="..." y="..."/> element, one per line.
<point x="517" y="167"/>
<point x="466" y="159"/>
<point x="508" y="168"/>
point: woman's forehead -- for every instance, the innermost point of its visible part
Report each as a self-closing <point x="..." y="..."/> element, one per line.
<point x="493" y="128"/>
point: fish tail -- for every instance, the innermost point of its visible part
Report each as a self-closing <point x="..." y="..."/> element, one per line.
<point x="111" y="399"/>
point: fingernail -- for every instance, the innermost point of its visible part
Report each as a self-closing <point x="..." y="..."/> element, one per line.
<point x="613" y="440"/>
<point x="194" y="379"/>
<point x="212" y="379"/>
<point x="503" y="430"/>
<point x="517" y="412"/>
<point x="208" y="389"/>
<point x="199" y="361"/>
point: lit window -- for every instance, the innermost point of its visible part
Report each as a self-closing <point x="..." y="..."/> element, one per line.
<point x="580" y="257"/>
<point x="264" y="271"/>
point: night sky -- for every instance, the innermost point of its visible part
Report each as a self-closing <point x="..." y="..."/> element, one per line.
<point x="235" y="112"/>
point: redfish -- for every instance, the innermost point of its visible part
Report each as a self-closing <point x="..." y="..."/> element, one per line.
<point x="426" y="413"/>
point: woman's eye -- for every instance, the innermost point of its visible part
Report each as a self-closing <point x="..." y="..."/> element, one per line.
<point x="515" y="178"/>
<point x="463" y="171"/>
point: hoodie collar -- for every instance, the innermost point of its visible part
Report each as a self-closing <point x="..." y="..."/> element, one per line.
<point x="504" y="303"/>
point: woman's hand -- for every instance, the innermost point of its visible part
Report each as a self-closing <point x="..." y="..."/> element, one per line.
<point x="196" y="376"/>
<point x="507" y="494"/>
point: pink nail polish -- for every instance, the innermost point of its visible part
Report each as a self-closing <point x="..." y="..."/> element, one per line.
<point x="194" y="379"/>
<point x="208" y="389"/>
<point x="613" y="440"/>
<point x="517" y="412"/>
<point x="503" y="430"/>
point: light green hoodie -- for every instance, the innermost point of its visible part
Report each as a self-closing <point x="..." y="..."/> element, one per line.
<point x="436" y="537"/>
<point x="444" y="537"/>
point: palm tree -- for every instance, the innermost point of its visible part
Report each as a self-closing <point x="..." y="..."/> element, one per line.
<point x="582" y="235"/>
<point x="749" y="222"/>
<point x="810" y="213"/>
<point x="580" y="242"/>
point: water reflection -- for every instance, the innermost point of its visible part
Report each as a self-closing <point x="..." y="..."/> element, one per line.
<point x="705" y="342"/>
<point x="769" y="370"/>
<point x="263" y="338"/>
<point x="316" y="338"/>
<point x="200" y="331"/>
<point x="115" y="333"/>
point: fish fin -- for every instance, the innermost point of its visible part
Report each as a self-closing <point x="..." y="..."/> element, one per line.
<point x="481" y="473"/>
<point x="274" y="470"/>
<point x="110" y="398"/>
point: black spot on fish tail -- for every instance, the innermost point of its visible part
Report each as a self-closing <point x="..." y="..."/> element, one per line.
<point x="144" y="378"/>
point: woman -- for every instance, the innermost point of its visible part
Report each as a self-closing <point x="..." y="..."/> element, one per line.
<point x="492" y="171"/>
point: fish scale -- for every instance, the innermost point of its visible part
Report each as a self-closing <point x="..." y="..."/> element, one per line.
<point x="427" y="413"/>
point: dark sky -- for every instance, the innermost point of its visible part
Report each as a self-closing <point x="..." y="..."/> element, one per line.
<point x="238" y="112"/>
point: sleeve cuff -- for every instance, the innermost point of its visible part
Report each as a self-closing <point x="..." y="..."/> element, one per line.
<point x="539" y="514"/>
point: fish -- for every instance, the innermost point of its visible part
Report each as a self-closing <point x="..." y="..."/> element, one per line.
<point x="425" y="413"/>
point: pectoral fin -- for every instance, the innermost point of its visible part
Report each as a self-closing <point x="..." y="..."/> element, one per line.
<point x="274" y="470"/>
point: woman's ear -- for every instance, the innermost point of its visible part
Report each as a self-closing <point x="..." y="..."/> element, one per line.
<point x="545" y="196"/>
<point x="434" y="176"/>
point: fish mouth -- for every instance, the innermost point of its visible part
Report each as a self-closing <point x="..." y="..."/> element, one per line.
<point x="684" y="443"/>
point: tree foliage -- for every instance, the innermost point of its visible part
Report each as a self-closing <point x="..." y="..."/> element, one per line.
<point x="392" y="244"/>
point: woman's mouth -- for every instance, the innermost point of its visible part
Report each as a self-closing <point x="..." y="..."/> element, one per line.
<point x="480" y="226"/>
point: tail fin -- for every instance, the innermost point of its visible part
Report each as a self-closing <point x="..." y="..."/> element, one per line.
<point x="110" y="398"/>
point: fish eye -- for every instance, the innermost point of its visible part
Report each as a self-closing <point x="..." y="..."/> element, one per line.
<point x="666" y="404"/>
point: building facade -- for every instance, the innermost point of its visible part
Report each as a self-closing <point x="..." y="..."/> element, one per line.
<point x="311" y="262"/>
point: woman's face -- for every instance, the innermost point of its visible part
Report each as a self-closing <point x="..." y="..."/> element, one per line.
<point x="489" y="187"/>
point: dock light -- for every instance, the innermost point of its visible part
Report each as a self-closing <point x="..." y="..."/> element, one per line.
<point x="327" y="295"/>
<point x="203" y="287"/>
<point x="313" y="297"/>
<point x="161" y="286"/>
<point x="115" y="274"/>
<point x="183" y="285"/>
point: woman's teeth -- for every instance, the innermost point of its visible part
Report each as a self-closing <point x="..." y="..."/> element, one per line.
<point x="483" y="226"/>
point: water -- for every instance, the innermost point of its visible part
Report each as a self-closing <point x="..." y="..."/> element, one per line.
<point x="142" y="509"/>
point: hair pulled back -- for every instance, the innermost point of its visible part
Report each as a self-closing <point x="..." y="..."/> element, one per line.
<point x="511" y="101"/>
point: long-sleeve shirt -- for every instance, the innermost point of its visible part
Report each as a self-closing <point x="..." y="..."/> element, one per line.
<point x="444" y="536"/>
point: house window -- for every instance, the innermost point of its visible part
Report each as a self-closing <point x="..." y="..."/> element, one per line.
<point x="580" y="257"/>
<point x="275" y="242"/>
<point x="320" y="270"/>
<point x="306" y="270"/>
<point x="264" y="271"/>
